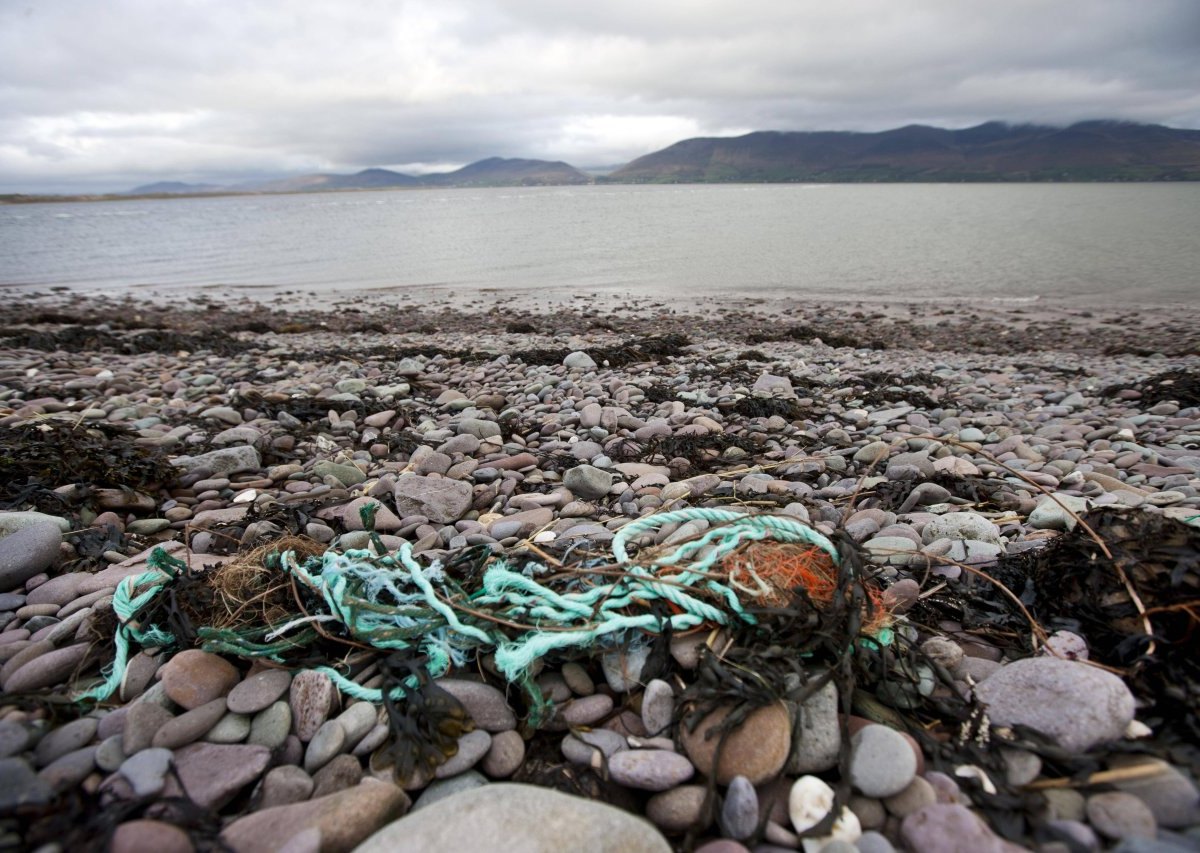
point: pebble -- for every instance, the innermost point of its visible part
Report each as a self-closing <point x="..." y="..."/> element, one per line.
<point x="190" y="726"/>
<point x="918" y="794"/>
<point x="1054" y="512"/>
<point x="150" y="836"/>
<point x="47" y="669"/>
<point x="588" y="482"/>
<point x="283" y="786"/>
<point x="587" y="710"/>
<point x="231" y="728"/>
<point x="19" y="785"/>
<point x="28" y="551"/>
<point x="146" y="771"/>
<point x="504" y="810"/>
<point x="342" y="820"/>
<point x="193" y="678"/>
<point x="357" y="720"/>
<point x="757" y="749"/>
<point x="1076" y="705"/>
<point x="485" y="704"/>
<point x="818" y="738"/>
<point x="658" y="706"/>
<point x="882" y="763"/>
<point x="311" y="697"/>
<point x="344" y="771"/>
<point x="943" y="828"/>
<point x="505" y="755"/>
<point x="271" y="726"/>
<point x="1172" y="797"/>
<point x="577" y="679"/>
<point x="74" y="735"/>
<point x="259" y="691"/>
<point x="472" y="747"/>
<point x="623" y="668"/>
<point x="678" y="809"/>
<point x="212" y="774"/>
<point x="1117" y="815"/>
<point x="14" y="738"/>
<point x="67" y="771"/>
<point x="649" y="769"/>
<point x="480" y="473"/>
<point x="739" y="811"/>
<point x="328" y="741"/>
<point x="142" y="722"/>
<point x="581" y="748"/>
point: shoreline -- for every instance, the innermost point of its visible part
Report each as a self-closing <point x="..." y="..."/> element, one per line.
<point x="924" y="438"/>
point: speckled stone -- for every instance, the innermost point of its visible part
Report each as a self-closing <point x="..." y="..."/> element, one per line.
<point x="311" y="697"/>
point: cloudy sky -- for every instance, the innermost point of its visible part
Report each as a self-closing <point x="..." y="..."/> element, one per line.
<point x="105" y="94"/>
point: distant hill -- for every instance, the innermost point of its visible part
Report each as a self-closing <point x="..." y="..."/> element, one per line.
<point x="173" y="188"/>
<point x="497" y="171"/>
<point x="368" y="179"/>
<point x="492" y="172"/>
<point x="1088" y="151"/>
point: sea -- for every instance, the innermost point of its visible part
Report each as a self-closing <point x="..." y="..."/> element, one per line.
<point x="1103" y="244"/>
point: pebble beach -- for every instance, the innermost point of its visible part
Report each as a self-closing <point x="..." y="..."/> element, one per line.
<point x="967" y="454"/>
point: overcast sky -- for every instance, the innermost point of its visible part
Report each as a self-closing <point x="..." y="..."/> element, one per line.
<point x="106" y="94"/>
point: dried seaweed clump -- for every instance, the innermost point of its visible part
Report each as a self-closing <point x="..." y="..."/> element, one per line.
<point x="37" y="456"/>
<point x="1148" y="625"/>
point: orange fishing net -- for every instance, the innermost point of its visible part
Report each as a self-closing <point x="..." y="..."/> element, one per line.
<point x="769" y="571"/>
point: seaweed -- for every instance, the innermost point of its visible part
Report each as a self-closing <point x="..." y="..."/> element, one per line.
<point x="652" y="348"/>
<point x="39" y="455"/>
<point x="426" y="721"/>
<point x="1179" y="386"/>
<point x="305" y="408"/>
<point x="1154" y="568"/>
<point x="883" y="387"/>
<point x="693" y="451"/>
<point x="806" y="334"/>
<point x="976" y="490"/>
<point x="97" y="338"/>
<point x="766" y="407"/>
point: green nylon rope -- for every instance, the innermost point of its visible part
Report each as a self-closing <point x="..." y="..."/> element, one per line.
<point x="352" y="585"/>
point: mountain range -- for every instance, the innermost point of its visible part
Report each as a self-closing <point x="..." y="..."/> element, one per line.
<point x="492" y="172"/>
<point x="1087" y="151"/>
<point x="995" y="151"/>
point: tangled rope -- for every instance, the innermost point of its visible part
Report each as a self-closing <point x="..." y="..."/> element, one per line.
<point x="392" y="602"/>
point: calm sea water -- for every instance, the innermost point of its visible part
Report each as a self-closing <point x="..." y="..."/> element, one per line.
<point x="1104" y="243"/>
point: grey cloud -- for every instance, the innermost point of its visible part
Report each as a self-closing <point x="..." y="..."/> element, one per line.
<point x="95" y="95"/>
